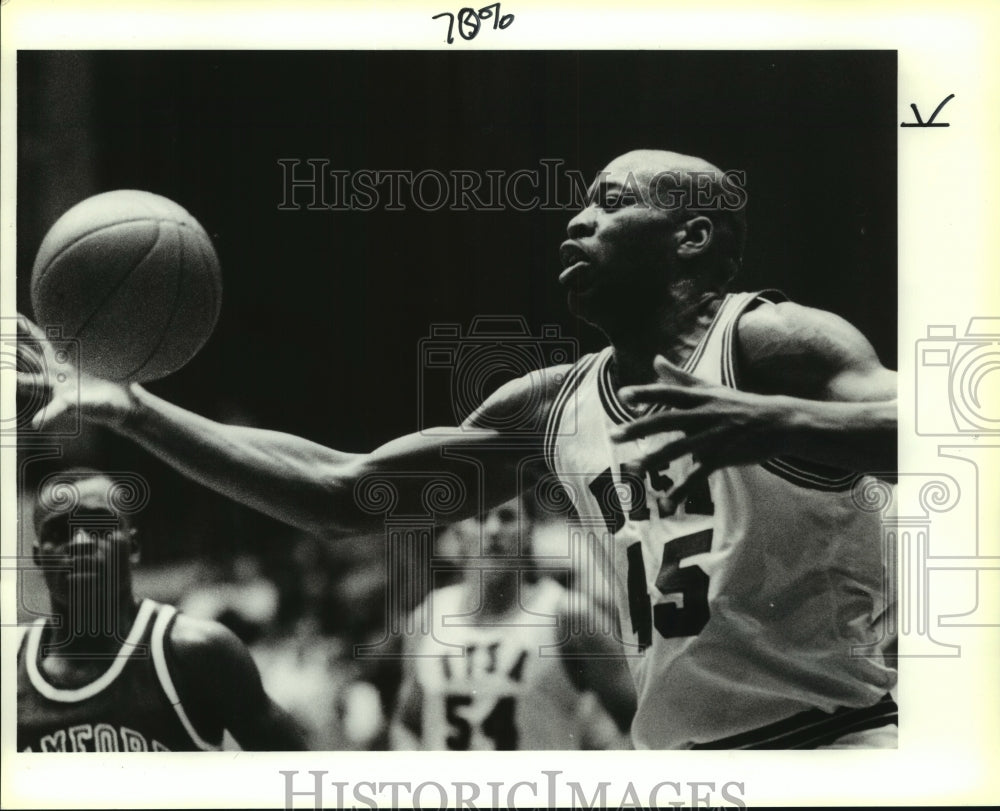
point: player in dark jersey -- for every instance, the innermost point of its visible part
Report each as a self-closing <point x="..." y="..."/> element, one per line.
<point x="108" y="673"/>
<point x="651" y="270"/>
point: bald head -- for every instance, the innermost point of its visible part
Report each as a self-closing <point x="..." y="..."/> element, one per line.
<point x="679" y="183"/>
<point x="659" y="230"/>
<point x="648" y="162"/>
<point x="686" y="186"/>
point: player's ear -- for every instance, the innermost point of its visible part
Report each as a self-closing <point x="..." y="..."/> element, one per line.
<point x="695" y="236"/>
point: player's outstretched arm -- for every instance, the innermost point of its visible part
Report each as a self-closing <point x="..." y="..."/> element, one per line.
<point x="287" y="477"/>
<point x="220" y="686"/>
<point x="813" y="388"/>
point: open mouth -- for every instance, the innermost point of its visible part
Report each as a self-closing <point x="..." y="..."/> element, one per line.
<point x="83" y="553"/>
<point x="575" y="262"/>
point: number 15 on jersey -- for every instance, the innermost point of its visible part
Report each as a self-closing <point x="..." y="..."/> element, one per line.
<point x="676" y="603"/>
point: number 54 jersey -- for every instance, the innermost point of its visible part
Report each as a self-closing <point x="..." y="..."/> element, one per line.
<point x="757" y="605"/>
<point x="499" y="686"/>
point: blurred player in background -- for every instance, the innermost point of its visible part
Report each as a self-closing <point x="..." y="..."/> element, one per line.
<point x="504" y="664"/>
<point x="717" y="439"/>
<point x="108" y="673"/>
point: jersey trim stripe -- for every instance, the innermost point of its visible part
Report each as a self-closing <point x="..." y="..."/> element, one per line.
<point x="699" y="350"/>
<point x="807" y="475"/>
<point x="729" y="375"/>
<point x="614" y="407"/>
<point x="799" y="472"/>
<point x="569" y="386"/>
<point x="71" y="696"/>
<point x="167" y="613"/>
<point x="609" y="399"/>
<point x="812" y="728"/>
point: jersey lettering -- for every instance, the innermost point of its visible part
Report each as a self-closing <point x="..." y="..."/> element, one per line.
<point x="56" y="742"/>
<point x="98" y="738"/>
<point x="107" y="740"/>
<point x="461" y="729"/>
<point x="517" y="671"/>
<point x="79" y="735"/>
<point x="498" y="726"/>
<point x="684" y="611"/>
<point x="682" y="606"/>
<point x="132" y="741"/>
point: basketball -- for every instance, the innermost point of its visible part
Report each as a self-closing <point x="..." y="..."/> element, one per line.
<point x="134" y="279"/>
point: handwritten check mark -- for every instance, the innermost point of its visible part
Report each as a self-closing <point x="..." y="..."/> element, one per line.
<point x="930" y="121"/>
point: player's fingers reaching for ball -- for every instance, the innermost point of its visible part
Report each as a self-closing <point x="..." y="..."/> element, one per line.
<point x="48" y="374"/>
<point x="41" y="368"/>
<point x="27" y="327"/>
<point x="32" y="383"/>
<point x="31" y="345"/>
<point x="54" y="413"/>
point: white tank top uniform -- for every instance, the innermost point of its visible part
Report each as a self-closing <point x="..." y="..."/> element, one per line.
<point x="507" y="691"/>
<point x="753" y="615"/>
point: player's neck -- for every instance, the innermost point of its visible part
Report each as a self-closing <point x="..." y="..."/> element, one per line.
<point x="96" y="626"/>
<point x="495" y="591"/>
<point x="673" y="330"/>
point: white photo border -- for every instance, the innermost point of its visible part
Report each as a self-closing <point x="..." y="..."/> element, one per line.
<point x="948" y="255"/>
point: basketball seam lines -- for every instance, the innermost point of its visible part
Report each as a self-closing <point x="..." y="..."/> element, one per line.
<point x="82" y="237"/>
<point x="79" y="330"/>
<point x="173" y="309"/>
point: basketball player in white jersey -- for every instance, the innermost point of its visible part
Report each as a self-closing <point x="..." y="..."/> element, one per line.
<point x="502" y="665"/>
<point x="108" y="673"/>
<point x="752" y="610"/>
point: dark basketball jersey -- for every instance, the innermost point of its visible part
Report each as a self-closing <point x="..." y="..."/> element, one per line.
<point x="132" y="707"/>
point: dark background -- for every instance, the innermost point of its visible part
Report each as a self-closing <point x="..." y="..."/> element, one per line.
<point x="323" y="311"/>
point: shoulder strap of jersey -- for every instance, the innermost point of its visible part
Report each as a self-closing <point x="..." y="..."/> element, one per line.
<point x="70" y="696"/>
<point x="569" y="386"/>
<point x="800" y="472"/>
<point x="21" y="633"/>
<point x="161" y="628"/>
<point x="738" y="304"/>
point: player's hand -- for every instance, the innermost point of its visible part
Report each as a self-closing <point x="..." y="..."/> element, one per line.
<point x="49" y="374"/>
<point x="722" y="427"/>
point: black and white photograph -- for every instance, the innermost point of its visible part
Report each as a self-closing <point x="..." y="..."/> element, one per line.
<point x="378" y="404"/>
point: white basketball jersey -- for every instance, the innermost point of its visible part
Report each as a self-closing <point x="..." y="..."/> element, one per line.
<point x="758" y="599"/>
<point x="499" y="687"/>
